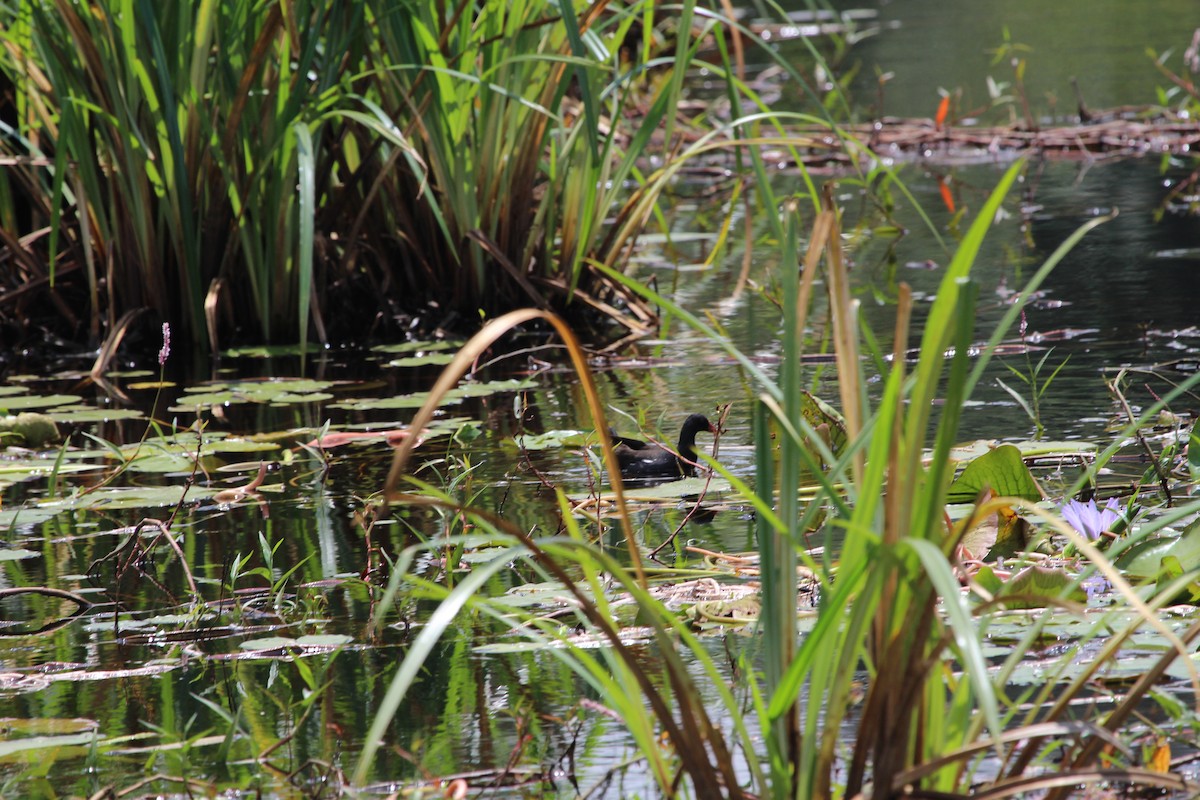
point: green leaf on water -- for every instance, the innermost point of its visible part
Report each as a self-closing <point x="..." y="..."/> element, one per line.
<point x="1000" y="470"/>
<point x="418" y="347"/>
<point x="1042" y="449"/>
<point x="13" y="746"/>
<point x="289" y="398"/>
<point x="988" y="581"/>
<point x="1145" y="559"/>
<point x="323" y="641"/>
<point x="26" y="401"/>
<point x="1035" y="587"/>
<point x="57" y="726"/>
<point x="390" y="403"/>
<point x="687" y="489"/>
<point x="270" y="351"/>
<point x="455" y="395"/>
<point x="677" y="490"/>
<point x="25" y="515"/>
<point x="277" y="391"/>
<point x="545" y="594"/>
<point x="825" y="419"/>
<point x="76" y="415"/>
<point x="424" y="359"/>
<point x="111" y="498"/>
<point x="35" y="469"/>
<point x="552" y="440"/>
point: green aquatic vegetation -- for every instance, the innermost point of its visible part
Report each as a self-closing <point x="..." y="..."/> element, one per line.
<point x="892" y="613"/>
<point x="417" y="400"/>
<point x="267" y="167"/>
<point x="28" y="430"/>
<point x="1036" y="383"/>
<point x="255" y="165"/>
<point x="23" y="400"/>
<point x="276" y="391"/>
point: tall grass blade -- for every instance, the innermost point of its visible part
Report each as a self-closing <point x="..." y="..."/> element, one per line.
<point x="306" y="163"/>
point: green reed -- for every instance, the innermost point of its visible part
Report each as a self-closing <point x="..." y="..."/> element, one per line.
<point x="185" y="177"/>
<point x="892" y="616"/>
<point x="260" y="167"/>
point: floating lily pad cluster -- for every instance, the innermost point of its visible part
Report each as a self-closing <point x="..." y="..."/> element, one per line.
<point x="58" y="408"/>
<point x="275" y="392"/>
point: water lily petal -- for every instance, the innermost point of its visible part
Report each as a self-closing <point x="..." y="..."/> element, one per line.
<point x="1087" y="519"/>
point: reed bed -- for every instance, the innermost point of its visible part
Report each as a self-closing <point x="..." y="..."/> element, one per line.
<point x="285" y="172"/>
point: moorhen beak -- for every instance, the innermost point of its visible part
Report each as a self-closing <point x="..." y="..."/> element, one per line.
<point x="640" y="460"/>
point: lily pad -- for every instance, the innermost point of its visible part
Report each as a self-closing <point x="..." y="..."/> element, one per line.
<point x="424" y="359"/>
<point x="271" y="351"/>
<point x="546" y="594"/>
<point x="1145" y="559"/>
<point x="313" y="642"/>
<point x="1049" y="449"/>
<point x="678" y="490"/>
<point x="727" y="612"/>
<point x="112" y="498"/>
<point x="177" y="454"/>
<point x="511" y="648"/>
<point x="22" y="402"/>
<point x="455" y="395"/>
<point x="277" y="391"/>
<point x="1000" y="470"/>
<point x="36" y="469"/>
<point x="670" y="491"/>
<point x="48" y="725"/>
<point x="25" y="516"/>
<point x="551" y="440"/>
<point x="16" y="554"/>
<point x="1000" y="535"/>
<point x="417" y="347"/>
<point x="28" y="429"/>
<point x="1033" y="587"/>
<point x="11" y="747"/>
<point x="1193" y="452"/>
<point x="80" y="414"/>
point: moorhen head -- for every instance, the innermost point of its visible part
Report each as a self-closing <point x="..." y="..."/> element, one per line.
<point x="642" y="460"/>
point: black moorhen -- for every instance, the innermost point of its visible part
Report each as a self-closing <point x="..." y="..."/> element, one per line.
<point x="647" y="461"/>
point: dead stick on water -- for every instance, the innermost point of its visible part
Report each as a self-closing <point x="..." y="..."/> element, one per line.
<point x="47" y="592"/>
<point x="1137" y="433"/>
<point x="82" y="605"/>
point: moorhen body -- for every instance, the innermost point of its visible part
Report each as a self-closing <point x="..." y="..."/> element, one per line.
<point x="642" y="460"/>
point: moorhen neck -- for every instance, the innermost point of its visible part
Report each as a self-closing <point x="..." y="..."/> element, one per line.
<point x="639" y="459"/>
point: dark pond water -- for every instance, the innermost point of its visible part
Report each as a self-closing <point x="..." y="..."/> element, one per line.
<point x="149" y="683"/>
<point x="927" y="45"/>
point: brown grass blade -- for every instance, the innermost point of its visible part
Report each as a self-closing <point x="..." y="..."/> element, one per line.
<point x="462" y="362"/>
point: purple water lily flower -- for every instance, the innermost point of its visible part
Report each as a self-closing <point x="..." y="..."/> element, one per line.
<point x="1090" y="520"/>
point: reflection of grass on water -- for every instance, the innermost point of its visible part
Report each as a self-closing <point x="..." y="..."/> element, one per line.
<point x="938" y="713"/>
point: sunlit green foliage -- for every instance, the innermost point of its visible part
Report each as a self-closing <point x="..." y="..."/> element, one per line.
<point x="893" y="622"/>
<point x="256" y="168"/>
